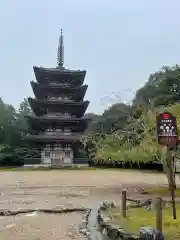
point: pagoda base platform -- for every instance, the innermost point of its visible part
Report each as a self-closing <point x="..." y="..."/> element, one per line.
<point x="70" y="166"/>
<point x="49" y="166"/>
<point x="57" y="157"/>
<point x="38" y="163"/>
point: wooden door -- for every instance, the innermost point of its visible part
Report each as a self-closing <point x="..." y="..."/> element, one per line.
<point x="58" y="158"/>
<point x="53" y="157"/>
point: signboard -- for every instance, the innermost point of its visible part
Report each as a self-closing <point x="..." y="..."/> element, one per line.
<point x="167" y="129"/>
<point x="168" y="136"/>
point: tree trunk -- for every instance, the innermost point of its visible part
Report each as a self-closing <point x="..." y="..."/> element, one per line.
<point x="166" y="167"/>
<point x="174" y="172"/>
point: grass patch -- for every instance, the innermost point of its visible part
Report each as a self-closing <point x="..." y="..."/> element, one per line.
<point x="19" y="169"/>
<point x="140" y="217"/>
<point x="161" y="191"/>
<point x="74" y="168"/>
<point x="46" y="168"/>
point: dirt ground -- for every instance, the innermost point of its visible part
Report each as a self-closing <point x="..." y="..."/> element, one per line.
<point x="57" y="189"/>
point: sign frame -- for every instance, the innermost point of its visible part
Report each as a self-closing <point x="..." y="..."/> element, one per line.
<point x="166" y="127"/>
<point x="167" y="133"/>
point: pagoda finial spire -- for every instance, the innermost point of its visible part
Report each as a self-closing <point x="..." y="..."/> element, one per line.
<point x="60" y="53"/>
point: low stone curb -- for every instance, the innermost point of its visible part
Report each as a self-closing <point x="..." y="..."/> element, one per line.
<point x="112" y="232"/>
<point x="115" y="232"/>
<point x="83" y="229"/>
<point x="48" y="211"/>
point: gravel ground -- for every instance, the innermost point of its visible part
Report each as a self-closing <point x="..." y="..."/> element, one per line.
<point x="42" y="226"/>
<point x="57" y="189"/>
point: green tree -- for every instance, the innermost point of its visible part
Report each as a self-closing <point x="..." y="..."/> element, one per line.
<point x="24" y="110"/>
<point x="8" y="118"/>
<point x="162" y="88"/>
<point x="113" y="118"/>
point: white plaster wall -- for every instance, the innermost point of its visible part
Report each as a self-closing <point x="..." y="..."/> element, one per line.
<point x="45" y="160"/>
<point x="69" y="159"/>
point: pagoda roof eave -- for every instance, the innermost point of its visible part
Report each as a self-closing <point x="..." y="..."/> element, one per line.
<point x="36" y="85"/>
<point x="81" y="106"/>
<point x="60" y="71"/>
<point x="38" y="138"/>
<point x="33" y="101"/>
<point x="38" y="88"/>
<point x="38" y="122"/>
<point x="48" y="141"/>
<point x="48" y="74"/>
<point x="56" y="119"/>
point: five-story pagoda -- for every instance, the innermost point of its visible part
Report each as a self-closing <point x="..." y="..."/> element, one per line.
<point x="58" y="119"/>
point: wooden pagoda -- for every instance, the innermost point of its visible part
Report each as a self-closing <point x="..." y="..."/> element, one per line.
<point x="58" y="120"/>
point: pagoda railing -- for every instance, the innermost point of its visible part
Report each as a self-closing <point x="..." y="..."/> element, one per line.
<point x="60" y="115"/>
<point x="57" y="147"/>
<point x="41" y="136"/>
<point x="64" y="99"/>
<point x="54" y="134"/>
<point x="57" y="133"/>
<point x="60" y="84"/>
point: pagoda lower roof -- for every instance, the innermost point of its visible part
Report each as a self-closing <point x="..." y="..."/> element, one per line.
<point x="58" y="119"/>
<point x="58" y="139"/>
<point x="57" y="102"/>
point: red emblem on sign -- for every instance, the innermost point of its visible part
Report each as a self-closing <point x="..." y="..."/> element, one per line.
<point x="165" y="115"/>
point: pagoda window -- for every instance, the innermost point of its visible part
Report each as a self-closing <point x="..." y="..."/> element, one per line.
<point x="54" y="83"/>
<point x="59" y="114"/>
<point x="53" y="98"/>
<point x="60" y="98"/>
<point x="67" y="154"/>
<point x="58" y="145"/>
<point x="67" y="131"/>
<point x="58" y="131"/>
<point x="68" y="146"/>
<point x="49" y="132"/>
<point x="47" y="154"/>
<point x="66" y="114"/>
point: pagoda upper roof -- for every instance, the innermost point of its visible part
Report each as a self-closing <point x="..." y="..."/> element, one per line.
<point x="39" y="89"/>
<point x="60" y="70"/>
<point x="39" y="106"/>
<point x="42" y="74"/>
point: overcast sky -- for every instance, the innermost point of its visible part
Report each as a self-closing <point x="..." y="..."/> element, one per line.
<point x="118" y="42"/>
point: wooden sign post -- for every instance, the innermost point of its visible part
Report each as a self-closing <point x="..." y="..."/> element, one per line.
<point x="168" y="136"/>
